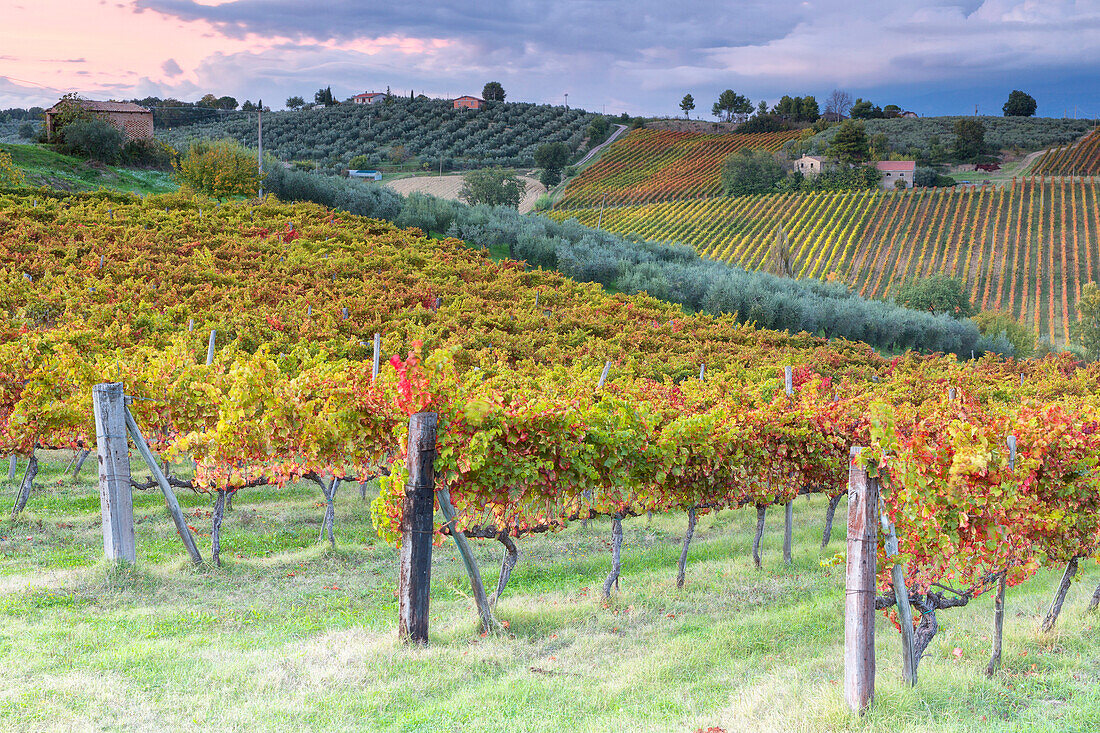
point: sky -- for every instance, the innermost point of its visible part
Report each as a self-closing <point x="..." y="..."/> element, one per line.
<point x="636" y="56"/>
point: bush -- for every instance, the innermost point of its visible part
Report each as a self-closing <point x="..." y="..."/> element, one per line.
<point x="9" y="174"/>
<point x="750" y="172"/>
<point x="992" y="324"/>
<point x="149" y="152"/>
<point x="29" y="131"/>
<point x="543" y="203"/>
<point x="220" y="169"/>
<point x="94" y="139"/>
<point x="765" y="123"/>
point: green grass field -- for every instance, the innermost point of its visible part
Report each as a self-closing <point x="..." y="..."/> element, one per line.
<point x="290" y="635"/>
<point x="45" y="167"/>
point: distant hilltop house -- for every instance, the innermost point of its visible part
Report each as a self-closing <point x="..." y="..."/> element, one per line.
<point x="896" y="170"/>
<point x="809" y="165"/>
<point x="372" y="175"/>
<point x="908" y="115"/>
<point x="134" y="122"/>
<point x="469" y="102"/>
<point x="368" y="97"/>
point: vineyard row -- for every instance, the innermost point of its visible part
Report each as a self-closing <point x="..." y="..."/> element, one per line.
<point x="1025" y="249"/>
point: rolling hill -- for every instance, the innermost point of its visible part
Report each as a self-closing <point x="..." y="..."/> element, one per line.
<point x="1025" y="249"/>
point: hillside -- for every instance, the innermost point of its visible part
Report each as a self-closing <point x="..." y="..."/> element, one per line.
<point x="661" y="165"/>
<point x="1025" y="249"/>
<point x="45" y="167"/>
<point x="505" y="134"/>
<point x="1080" y="159"/>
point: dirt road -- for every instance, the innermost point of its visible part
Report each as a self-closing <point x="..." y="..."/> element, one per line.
<point x="447" y="187"/>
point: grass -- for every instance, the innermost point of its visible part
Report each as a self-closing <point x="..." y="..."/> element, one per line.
<point x="45" y="167"/>
<point x="290" y="635"/>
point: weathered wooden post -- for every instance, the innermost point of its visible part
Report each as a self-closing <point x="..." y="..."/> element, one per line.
<point x="859" y="586"/>
<point x="901" y="594"/>
<point x="115" y="501"/>
<point x="377" y="356"/>
<point x="13" y="464"/>
<point x="417" y="525"/>
<point x="165" y="488"/>
<point x="999" y="599"/>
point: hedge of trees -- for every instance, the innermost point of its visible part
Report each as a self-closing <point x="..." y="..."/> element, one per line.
<point x="671" y="272"/>
<point x="913" y="137"/>
<point x="424" y="130"/>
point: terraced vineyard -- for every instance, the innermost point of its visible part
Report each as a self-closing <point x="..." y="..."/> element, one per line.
<point x="1024" y="249"/>
<point x="1080" y="159"/>
<point x="663" y="165"/>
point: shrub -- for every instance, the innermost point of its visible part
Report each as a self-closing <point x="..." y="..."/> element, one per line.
<point x="94" y="139"/>
<point x="993" y="325"/>
<point x="220" y="169"/>
<point x="749" y="172"/>
<point x="9" y="174"/>
<point x="149" y="152"/>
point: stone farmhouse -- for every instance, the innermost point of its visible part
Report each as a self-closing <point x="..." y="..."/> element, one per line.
<point x="896" y="170"/>
<point x="134" y="122"/>
<point x="809" y="165"/>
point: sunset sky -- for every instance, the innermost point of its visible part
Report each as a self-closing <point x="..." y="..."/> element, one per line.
<point x="639" y="56"/>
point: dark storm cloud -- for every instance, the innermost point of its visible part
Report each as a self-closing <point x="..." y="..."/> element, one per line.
<point x="620" y="28"/>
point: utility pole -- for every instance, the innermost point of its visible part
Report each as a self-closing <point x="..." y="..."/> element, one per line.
<point x="567" y="100"/>
<point x="260" y="145"/>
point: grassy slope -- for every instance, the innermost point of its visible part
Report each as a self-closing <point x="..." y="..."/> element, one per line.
<point x="44" y="167"/>
<point x="291" y="636"/>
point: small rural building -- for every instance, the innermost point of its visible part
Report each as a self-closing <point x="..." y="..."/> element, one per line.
<point x="368" y="97"/>
<point x="896" y="170"/>
<point x="809" y="165"/>
<point x="908" y="115"/>
<point x="134" y="122"/>
<point x="469" y="102"/>
<point x="372" y="175"/>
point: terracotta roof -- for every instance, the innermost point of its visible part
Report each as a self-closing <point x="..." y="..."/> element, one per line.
<point x="896" y="165"/>
<point x="468" y="96"/>
<point x="818" y="158"/>
<point x="369" y="94"/>
<point x="95" y="106"/>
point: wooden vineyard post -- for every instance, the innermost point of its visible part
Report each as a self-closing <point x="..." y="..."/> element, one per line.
<point x="115" y="501"/>
<point x="999" y="598"/>
<point x="905" y="611"/>
<point x="377" y="357"/>
<point x="417" y="525"/>
<point x="788" y="525"/>
<point x="603" y="375"/>
<point x="477" y="587"/>
<point x="13" y="464"/>
<point x="165" y="488"/>
<point x="859" y="587"/>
